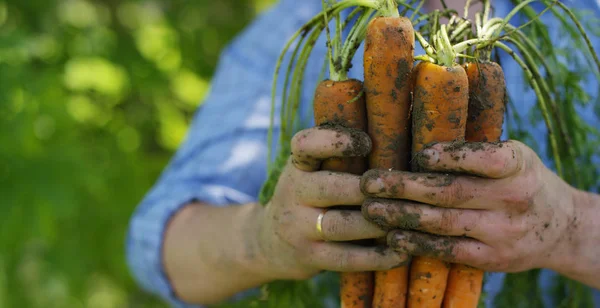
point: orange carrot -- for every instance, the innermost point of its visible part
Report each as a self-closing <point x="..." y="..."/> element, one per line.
<point x="342" y="103"/>
<point x="441" y="98"/>
<point x="388" y="60"/>
<point x="487" y="103"/>
<point x="487" y="90"/>
<point x="463" y="287"/>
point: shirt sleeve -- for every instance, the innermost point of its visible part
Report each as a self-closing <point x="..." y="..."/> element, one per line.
<point x="223" y="159"/>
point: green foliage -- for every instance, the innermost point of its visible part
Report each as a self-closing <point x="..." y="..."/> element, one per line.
<point x="316" y="293"/>
<point x="521" y="290"/>
<point x="94" y="98"/>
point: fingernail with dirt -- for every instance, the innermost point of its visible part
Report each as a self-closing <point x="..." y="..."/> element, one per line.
<point x="371" y="183"/>
<point x="375" y="212"/>
<point x="375" y="186"/>
<point x="398" y="241"/>
<point x="430" y="157"/>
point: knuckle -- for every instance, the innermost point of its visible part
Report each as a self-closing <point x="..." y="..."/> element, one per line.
<point x="332" y="227"/>
<point x="337" y="182"/>
<point x="452" y="195"/>
<point x="448" y="221"/>
<point x="312" y="194"/>
<point x="346" y="260"/>
<point x="517" y="202"/>
<point x="471" y="221"/>
<point x="515" y="230"/>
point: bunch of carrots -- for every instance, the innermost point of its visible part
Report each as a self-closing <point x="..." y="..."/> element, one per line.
<point x="454" y="92"/>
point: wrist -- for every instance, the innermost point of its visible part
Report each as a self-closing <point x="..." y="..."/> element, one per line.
<point x="255" y="260"/>
<point x="581" y="239"/>
<point x="205" y="246"/>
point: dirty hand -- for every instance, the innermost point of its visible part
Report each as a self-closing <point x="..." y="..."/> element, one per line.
<point x="288" y="235"/>
<point x="509" y="214"/>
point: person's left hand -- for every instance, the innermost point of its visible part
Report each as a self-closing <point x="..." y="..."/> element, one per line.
<point x="515" y="215"/>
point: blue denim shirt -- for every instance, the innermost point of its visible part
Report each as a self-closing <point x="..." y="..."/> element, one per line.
<point x="223" y="160"/>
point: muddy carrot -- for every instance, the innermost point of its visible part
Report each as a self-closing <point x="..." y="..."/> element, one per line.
<point x="388" y="60"/>
<point x="342" y="103"/>
<point x="441" y="97"/>
<point x="487" y="102"/>
<point x="487" y="92"/>
<point x="463" y="287"/>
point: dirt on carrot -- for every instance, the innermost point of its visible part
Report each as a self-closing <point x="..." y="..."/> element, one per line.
<point x="357" y="283"/>
<point x="388" y="59"/>
<point x="440" y="106"/>
<point x="487" y="101"/>
<point x="340" y="106"/>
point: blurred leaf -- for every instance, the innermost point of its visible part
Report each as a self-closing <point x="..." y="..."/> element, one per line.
<point x="189" y="88"/>
<point x="82" y="74"/>
<point x="95" y="98"/>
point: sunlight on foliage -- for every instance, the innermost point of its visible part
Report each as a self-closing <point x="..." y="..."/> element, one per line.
<point x="104" y="293"/>
<point x="159" y="43"/>
<point x="135" y="14"/>
<point x="128" y="139"/>
<point x="81" y="108"/>
<point x="97" y="95"/>
<point x="173" y="126"/>
<point x="262" y="5"/>
<point x="78" y="13"/>
<point x="97" y="74"/>
<point x="189" y="88"/>
<point x="44" y="47"/>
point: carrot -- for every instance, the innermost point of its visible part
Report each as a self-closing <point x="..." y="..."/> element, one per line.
<point x="388" y="60"/>
<point x="487" y="103"/>
<point x="463" y="287"/>
<point x="487" y="90"/>
<point x="342" y="103"/>
<point x="441" y="98"/>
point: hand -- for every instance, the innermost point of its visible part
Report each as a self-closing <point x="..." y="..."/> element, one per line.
<point x="288" y="235"/>
<point x="514" y="215"/>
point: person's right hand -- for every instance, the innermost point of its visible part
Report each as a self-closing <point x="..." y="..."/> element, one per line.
<point x="288" y="235"/>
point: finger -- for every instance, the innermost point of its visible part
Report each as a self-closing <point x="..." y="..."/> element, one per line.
<point x="346" y="225"/>
<point x="344" y="257"/>
<point x="311" y="146"/>
<point x="491" y="160"/>
<point x="450" y="249"/>
<point x="443" y="190"/>
<point x="326" y="188"/>
<point x="399" y="214"/>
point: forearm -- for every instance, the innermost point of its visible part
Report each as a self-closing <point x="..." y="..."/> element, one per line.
<point x="583" y="236"/>
<point x="211" y="253"/>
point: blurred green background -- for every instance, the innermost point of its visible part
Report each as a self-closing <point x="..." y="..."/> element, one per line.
<point x="95" y="96"/>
